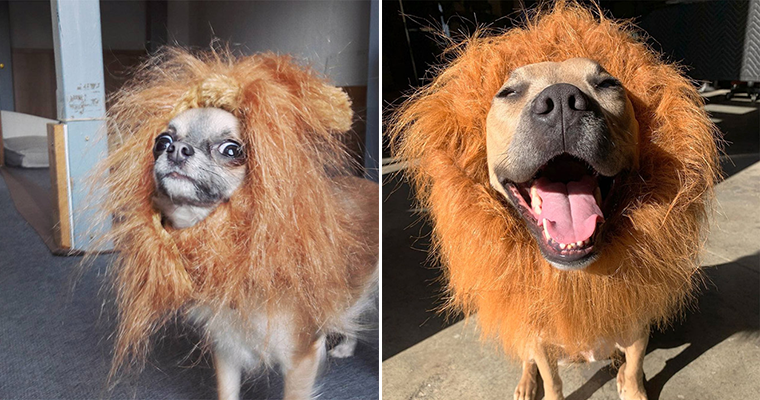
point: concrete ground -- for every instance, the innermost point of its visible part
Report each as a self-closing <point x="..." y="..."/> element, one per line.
<point x="712" y="353"/>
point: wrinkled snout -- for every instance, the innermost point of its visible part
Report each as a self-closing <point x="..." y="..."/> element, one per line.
<point x="560" y="119"/>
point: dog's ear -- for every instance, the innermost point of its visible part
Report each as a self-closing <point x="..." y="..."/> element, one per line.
<point x="321" y="107"/>
<point x="331" y="106"/>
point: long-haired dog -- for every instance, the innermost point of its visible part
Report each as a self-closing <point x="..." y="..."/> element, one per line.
<point x="567" y="171"/>
<point x="234" y="207"/>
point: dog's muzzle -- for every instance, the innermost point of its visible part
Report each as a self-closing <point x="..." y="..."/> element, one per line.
<point x="560" y="175"/>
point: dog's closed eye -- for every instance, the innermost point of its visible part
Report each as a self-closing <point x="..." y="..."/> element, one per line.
<point x="511" y="91"/>
<point x="507" y="92"/>
<point x="608" y="83"/>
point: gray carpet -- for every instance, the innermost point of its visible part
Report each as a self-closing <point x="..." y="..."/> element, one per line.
<point x="55" y="342"/>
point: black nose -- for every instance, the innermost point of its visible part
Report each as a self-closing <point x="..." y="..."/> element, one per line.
<point x="561" y="103"/>
<point x="179" y="152"/>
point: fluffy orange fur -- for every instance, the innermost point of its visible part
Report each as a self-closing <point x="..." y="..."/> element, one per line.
<point x="648" y="268"/>
<point x="284" y="240"/>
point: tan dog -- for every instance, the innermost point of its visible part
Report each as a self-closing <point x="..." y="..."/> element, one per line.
<point x="558" y="134"/>
<point x="567" y="171"/>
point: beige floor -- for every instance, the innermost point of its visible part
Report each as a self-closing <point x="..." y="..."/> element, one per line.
<point x="714" y="353"/>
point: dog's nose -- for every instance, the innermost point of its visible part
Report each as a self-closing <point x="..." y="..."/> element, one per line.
<point x="561" y="103"/>
<point x="179" y="152"/>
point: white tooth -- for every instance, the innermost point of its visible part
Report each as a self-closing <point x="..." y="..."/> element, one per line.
<point x="562" y="246"/>
<point x="546" y="230"/>
<point x="580" y="244"/>
<point x="598" y="196"/>
<point x="535" y="200"/>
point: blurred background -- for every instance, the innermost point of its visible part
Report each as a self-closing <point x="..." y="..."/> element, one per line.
<point x="330" y="36"/>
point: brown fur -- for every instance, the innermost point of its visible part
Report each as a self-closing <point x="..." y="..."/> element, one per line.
<point x="647" y="271"/>
<point x="284" y="239"/>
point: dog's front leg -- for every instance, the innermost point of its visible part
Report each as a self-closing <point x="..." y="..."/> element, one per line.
<point x="547" y="366"/>
<point x="630" y="377"/>
<point x="526" y="389"/>
<point x="228" y="372"/>
<point x="301" y="375"/>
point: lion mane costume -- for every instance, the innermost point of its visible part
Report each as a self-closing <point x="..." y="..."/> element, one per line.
<point x="647" y="271"/>
<point x="284" y="237"/>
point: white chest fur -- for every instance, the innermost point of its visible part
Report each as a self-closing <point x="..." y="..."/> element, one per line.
<point x="262" y="339"/>
<point x="181" y="216"/>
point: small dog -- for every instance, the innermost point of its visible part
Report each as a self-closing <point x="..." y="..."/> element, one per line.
<point x="567" y="171"/>
<point x="235" y="209"/>
<point x="199" y="164"/>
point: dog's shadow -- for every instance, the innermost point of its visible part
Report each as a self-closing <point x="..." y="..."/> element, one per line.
<point x="727" y="306"/>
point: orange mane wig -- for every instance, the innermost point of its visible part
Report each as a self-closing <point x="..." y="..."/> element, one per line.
<point x="647" y="271"/>
<point x="283" y="240"/>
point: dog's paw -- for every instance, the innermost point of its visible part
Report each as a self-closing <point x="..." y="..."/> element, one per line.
<point x="526" y="389"/>
<point x="630" y="387"/>
<point x="344" y="349"/>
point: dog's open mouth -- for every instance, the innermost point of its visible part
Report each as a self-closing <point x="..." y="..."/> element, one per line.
<point x="564" y="205"/>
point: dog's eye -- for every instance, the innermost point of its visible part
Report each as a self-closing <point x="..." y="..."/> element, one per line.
<point x="162" y="142"/>
<point x="608" y="84"/>
<point x="507" y="92"/>
<point x="231" y="149"/>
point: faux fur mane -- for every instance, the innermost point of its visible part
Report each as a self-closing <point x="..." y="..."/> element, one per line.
<point x="648" y="267"/>
<point x="282" y="234"/>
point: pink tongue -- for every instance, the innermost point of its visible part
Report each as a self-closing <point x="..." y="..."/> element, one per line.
<point x="570" y="209"/>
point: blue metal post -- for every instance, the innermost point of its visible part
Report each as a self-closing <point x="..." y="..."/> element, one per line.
<point x="81" y="105"/>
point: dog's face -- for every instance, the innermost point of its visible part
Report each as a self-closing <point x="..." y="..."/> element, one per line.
<point x="199" y="158"/>
<point x="558" y="136"/>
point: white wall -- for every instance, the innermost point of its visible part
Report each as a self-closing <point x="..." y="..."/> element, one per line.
<point x="122" y="24"/>
<point x="332" y="36"/>
<point x="178" y="22"/>
<point x="31" y="26"/>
